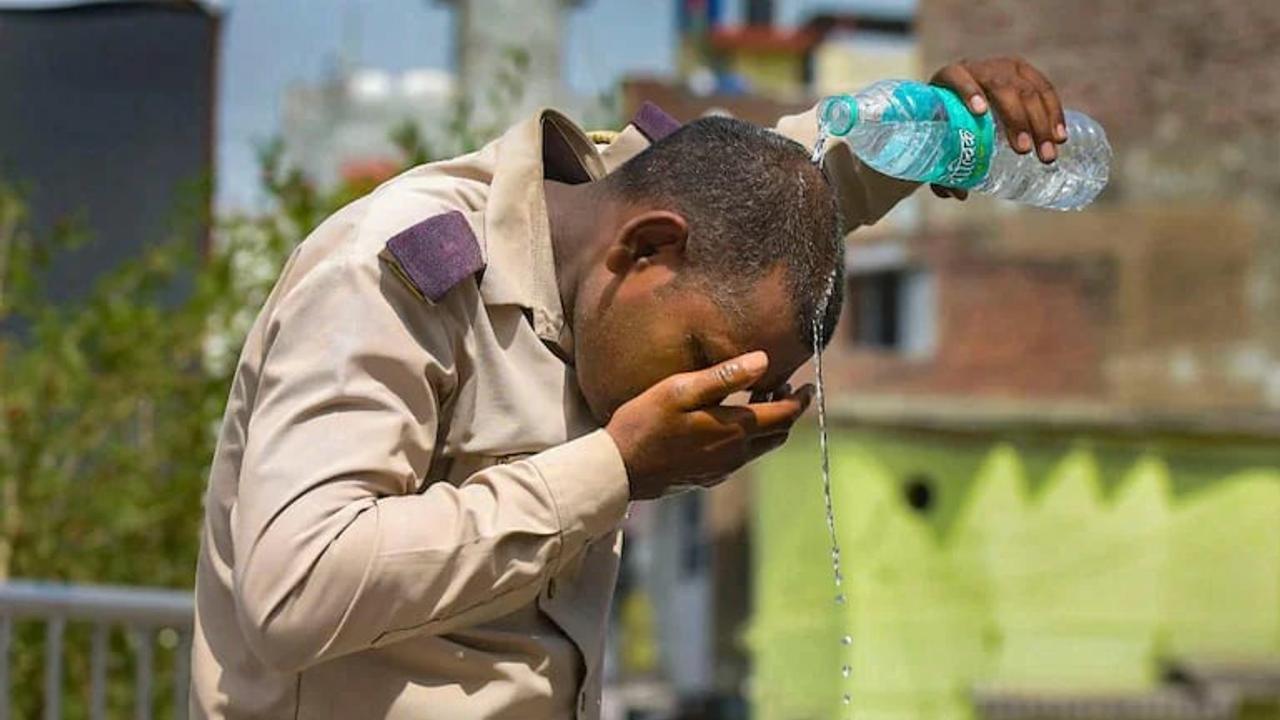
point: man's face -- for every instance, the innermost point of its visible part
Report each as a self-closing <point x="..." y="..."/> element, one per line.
<point x="635" y="328"/>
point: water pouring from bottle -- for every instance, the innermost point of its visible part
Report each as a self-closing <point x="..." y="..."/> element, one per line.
<point x="846" y="671"/>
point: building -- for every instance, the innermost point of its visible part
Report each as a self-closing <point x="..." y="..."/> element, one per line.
<point x="1126" y="310"/>
<point x="507" y="64"/>
<point x="133" y="162"/>
<point x="501" y="43"/>
<point x="1188" y="322"/>
<point x="341" y="130"/>
<point x="1057" y="473"/>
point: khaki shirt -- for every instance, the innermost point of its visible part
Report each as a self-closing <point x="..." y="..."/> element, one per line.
<point x="411" y="512"/>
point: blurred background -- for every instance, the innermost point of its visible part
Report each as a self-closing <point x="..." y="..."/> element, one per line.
<point x="1055" y="436"/>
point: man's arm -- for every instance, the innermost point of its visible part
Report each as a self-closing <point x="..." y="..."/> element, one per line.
<point x="864" y="195"/>
<point x="335" y="550"/>
<point x="1024" y="101"/>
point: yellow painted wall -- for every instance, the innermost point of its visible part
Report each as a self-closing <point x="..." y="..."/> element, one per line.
<point x="1072" y="567"/>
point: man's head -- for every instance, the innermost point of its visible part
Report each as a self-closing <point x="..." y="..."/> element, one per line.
<point x="723" y="238"/>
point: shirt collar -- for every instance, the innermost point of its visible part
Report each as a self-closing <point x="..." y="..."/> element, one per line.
<point x="520" y="268"/>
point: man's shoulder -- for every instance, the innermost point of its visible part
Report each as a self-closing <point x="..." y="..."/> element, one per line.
<point x="425" y="225"/>
<point x="421" y="196"/>
<point x="397" y="246"/>
<point x="435" y="254"/>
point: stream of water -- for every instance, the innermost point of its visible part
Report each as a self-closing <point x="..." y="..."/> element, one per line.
<point x="819" y="146"/>
<point x="846" y="672"/>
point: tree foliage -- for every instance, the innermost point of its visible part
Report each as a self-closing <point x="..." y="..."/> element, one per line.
<point x="110" y="402"/>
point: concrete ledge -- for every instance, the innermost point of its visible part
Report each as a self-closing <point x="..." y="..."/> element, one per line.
<point x="961" y="415"/>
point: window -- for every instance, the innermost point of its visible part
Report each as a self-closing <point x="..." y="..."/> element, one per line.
<point x="918" y="492"/>
<point x="893" y="309"/>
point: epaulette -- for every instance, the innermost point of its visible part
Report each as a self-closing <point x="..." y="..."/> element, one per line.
<point x="653" y="122"/>
<point x="436" y="254"/>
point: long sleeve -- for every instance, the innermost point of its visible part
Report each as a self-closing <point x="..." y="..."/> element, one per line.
<point x="337" y="546"/>
<point x="865" y="195"/>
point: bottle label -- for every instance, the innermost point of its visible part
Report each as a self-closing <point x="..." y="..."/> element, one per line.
<point x="970" y="143"/>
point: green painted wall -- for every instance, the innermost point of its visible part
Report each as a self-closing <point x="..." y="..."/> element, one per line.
<point x="1044" y="563"/>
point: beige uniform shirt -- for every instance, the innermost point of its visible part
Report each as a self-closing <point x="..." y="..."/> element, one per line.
<point x="411" y="512"/>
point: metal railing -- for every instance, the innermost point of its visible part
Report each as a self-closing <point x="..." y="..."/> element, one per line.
<point x="142" y="613"/>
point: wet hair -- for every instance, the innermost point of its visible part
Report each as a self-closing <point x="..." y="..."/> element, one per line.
<point x="753" y="200"/>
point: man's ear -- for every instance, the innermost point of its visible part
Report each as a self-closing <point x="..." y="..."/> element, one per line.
<point x="653" y="236"/>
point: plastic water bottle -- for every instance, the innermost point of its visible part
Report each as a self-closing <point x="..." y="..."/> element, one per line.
<point x="913" y="131"/>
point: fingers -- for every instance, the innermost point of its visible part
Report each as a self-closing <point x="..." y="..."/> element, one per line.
<point x="755" y="419"/>
<point x="1049" y="97"/>
<point x="766" y="444"/>
<point x="734" y="435"/>
<point x="1041" y="128"/>
<point x="1025" y="120"/>
<point x="689" y="391"/>
<point x="745" y="452"/>
<point x="750" y="450"/>
<point x="959" y="80"/>
<point x="1013" y="116"/>
<point x="1023" y="99"/>
<point x="1043" y="131"/>
<point x="782" y="412"/>
<point x="777" y="393"/>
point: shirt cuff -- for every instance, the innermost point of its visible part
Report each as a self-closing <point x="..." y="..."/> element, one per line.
<point x="588" y="482"/>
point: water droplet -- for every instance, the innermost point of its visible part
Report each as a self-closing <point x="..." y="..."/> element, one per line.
<point x="847" y="699"/>
<point x="846" y="671"/>
<point x="846" y="640"/>
<point x="840" y="599"/>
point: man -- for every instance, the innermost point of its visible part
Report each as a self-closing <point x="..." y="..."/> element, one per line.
<point x="460" y="381"/>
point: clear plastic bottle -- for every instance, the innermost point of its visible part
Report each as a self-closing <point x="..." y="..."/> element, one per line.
<point x="925" y="133"/>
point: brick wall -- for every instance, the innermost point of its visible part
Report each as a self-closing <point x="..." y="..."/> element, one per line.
<point x="1171" y="67"/>
<point x="1027" y="328"/>
<point x="1164" y="296"/>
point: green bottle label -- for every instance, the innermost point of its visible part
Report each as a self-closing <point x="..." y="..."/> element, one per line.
<point x="970" y="144"/>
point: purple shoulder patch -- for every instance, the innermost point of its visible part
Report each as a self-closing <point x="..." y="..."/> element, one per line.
<point x="653" y="122"/>
<point x="437" y="253"/>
